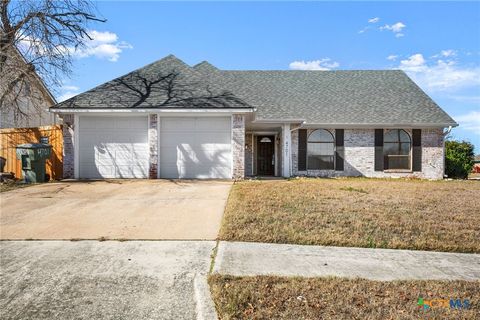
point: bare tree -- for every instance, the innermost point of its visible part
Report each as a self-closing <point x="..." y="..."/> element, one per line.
<point x="38" y="38"/>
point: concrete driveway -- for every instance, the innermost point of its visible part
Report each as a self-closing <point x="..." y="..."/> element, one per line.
<point x="115" y="209"/>
<point x="105" y="280"/>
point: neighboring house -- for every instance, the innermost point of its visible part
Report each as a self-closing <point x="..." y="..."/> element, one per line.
<point x="147" y="124"/>
<point x="476" y="164"/>
<point x="33" y="100"/>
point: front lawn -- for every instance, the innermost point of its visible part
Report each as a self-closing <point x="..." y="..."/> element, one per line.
<point x="265" y="297"/>
<point x="356" y="212"/>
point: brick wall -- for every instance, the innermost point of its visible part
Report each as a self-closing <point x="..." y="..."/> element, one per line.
<point x="153" y="146"/>
<point x="238" y="146"/>
<point x="68" y="146"/>
<point x="359" y="156"/>
<point x="249" y="154"/>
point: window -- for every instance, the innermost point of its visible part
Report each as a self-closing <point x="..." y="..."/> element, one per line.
<point x="396" y="149"/>
<point x="320" y="150"/>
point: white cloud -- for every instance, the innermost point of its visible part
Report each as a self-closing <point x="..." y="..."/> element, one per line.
<point x="363" y="30"/>
<point x="414" y="63"/>
<point x="448" y="53"/>
<point x="440" y="75"/>
<point x="103" y="45"/>
<point x="322" y="64"/>
<point x="392" y="57"/>
<point x="68" y="91"/>
<point x="469" y="121"/>
<point x="395" y="28"/>
<point x="70" y="88"/>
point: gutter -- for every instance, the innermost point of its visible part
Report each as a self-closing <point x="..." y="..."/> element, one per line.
<point x="150" y="110"/>
<point x="357" y="125"/>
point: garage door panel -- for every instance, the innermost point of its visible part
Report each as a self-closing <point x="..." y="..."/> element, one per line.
<point x="129" y="123"/>
<point x="113" y="147"/>
<point x="212" y="137"/>
<point x="212" y="124"/>
<point x="99" y="173"/>
<point x="172" y="155"/>
<point x="205" y="172"/>
<point x="128" y="171"/>
<point x="177" y="124"/>
<point x="96" y="123"/>
<point x="195" y="147"/>
<point x="176" y="138"/>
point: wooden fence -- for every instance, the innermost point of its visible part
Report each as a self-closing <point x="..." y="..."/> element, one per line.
<point x="10" y="138"/>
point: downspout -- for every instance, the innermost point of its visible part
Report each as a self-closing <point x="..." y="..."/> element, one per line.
<point x="444" y="155"/>
<point x="299" y="127"/>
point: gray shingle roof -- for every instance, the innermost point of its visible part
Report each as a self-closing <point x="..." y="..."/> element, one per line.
<point x="318" y="97"/>
<point x="166" y="83"/>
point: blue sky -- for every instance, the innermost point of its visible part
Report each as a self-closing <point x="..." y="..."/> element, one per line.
<point x="436" y="43"/>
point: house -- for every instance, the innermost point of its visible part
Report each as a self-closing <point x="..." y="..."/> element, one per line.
<point x="171" y="120"/>
<point x="31" y="100"/>
<point x="476" y="164"/>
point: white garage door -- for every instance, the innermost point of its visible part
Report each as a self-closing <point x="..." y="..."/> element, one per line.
<point x="113" y="147"/>
<point x="195" y="148"/>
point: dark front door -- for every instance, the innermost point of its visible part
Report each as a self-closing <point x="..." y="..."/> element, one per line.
<point x="265" y="155"/>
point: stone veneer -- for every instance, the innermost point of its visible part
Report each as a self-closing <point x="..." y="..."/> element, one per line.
<point x="238" y="146"/>
<point x="153" y="146"/>
<point x="68" y="146"/>
<point x="360" y="151"/>
<point x="249" y="154"/>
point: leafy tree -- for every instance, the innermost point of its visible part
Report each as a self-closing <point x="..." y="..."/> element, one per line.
<point x="459" y="158"/>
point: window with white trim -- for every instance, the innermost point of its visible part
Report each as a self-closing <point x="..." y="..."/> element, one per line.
<point x="320" y="150"/>
<point x="396" y="150"/>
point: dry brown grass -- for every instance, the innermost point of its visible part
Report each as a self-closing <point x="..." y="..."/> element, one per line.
<point x="357" y="212"/>
<point x="12" y="185"/>
<point x="335" y="298"/>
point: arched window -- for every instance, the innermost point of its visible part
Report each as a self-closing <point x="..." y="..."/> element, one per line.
<point x="396" y="149"/>
<point x="320" y="150"/>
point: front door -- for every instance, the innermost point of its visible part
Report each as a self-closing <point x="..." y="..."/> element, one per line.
<point x="265" y="155"/>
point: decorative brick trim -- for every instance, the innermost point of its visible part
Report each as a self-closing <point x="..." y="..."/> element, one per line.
<point x="68" y="146"/>
<point x="153" y="146"/>
<point x="238" y="146"/>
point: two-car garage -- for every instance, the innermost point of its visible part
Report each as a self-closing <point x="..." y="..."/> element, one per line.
<point x="188" y="147"/>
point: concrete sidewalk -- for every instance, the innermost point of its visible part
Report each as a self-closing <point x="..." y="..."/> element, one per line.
<point x="105" y="280"/>
<point x="245" y="259"/>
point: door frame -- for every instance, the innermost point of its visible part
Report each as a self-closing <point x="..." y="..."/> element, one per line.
<point x="275" y="150"/>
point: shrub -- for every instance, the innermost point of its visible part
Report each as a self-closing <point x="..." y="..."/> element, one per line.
<point x="458" y="158"/>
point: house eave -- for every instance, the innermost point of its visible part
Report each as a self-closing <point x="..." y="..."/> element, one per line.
<point x="378" y="125"/>
<point x="152" y="110"/>
<point x="356" y="125"/>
